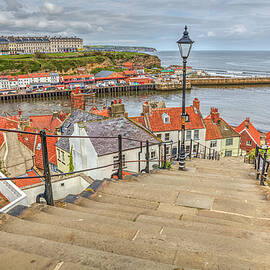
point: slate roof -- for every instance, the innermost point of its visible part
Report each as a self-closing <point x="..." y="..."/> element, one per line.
<point x="104" y="73"/>
<point x="67" y="127"/>
<point x="113" y="128"/>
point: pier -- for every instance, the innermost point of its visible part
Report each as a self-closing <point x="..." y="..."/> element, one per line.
<point x="18" y="97"/>
<point x="228" y="81"/>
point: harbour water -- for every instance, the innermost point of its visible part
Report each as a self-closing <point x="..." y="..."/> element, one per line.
<point x="234" y="104"/>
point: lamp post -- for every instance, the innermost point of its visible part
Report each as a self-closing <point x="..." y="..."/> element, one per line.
<point x="184" y="44"/>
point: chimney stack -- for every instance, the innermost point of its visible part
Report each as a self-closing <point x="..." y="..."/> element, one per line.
<point x="214" y="115"/>
<point x="196" y="104"/>
<point x="247" y="122"/>
<point x="146" y="108"/>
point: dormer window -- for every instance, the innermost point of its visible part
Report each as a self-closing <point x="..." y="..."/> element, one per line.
<point x="166" y="118"/>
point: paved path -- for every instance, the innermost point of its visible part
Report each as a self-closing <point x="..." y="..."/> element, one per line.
<point x="212" y="216"/>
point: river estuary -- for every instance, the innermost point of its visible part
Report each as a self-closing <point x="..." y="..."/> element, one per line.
<point x="234" y="104"/>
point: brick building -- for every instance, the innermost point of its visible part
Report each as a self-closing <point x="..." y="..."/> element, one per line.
<point x="250" y="136"/>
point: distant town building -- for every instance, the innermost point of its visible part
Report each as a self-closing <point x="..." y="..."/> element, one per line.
<point x="30" y="45"/>
<point x="250" y="136"/>
<point x="220" y="136"/>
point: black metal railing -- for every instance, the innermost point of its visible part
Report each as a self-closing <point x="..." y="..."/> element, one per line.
<point x="261" y="164"/>
<point x="195" y="150"/>
<point x="47" y="176"/>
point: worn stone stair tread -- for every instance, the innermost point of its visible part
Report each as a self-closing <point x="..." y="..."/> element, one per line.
<point x="147" y="193"/>
<point x="112" y="198"/>
<point x="14" y="260"/>
<point x="90" y="240"/>
<point x="76" y="254"/>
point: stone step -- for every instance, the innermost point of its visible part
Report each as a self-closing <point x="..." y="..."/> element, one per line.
<point x="172" y="225"/>
<point x="146" y="194"/>
<point x="219" y="245"/>
<point x="192" y="174"/>
<point x="85" y="257"/>
<point x="13" y="260"/>
<point x="142" y="250"/>
<point x="111" y="198"/>
<point x="192" y="186"/>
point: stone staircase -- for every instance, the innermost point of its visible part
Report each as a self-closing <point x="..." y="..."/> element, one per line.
<point x="212" y="216"/>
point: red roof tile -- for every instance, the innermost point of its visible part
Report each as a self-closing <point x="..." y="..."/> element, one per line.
<point x="104" y="112"/>
<point x="33" y="142"/>
<point x="212" y="131"/>
<point x="10" y="122"/>
<point x="29" y="181"/>
<point x="268" y="137"/>
<point x="130" y="72"/>
<point x="252" y="131"/>
<point x="47" y="122"/>
<point x="157" y="124"/>
<point x="139" y="119"/>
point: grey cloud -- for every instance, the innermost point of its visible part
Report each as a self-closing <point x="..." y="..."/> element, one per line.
<point x="220" y="24"/>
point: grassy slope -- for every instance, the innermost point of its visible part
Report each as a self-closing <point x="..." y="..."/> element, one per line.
<point x="20" y="64"/>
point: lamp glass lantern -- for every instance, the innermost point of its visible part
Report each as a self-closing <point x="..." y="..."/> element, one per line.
<point x="185" y="44"/>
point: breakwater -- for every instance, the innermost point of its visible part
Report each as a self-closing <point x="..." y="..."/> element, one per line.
<point x="228" y="81"/>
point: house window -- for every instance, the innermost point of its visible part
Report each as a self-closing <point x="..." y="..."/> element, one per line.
<point x="229" y="141"/>
<point x="159" y="136"/>
<point x="174" y="151"/>
<point x="167" y="150"/>
<point x="188" y="135"/>
<point x="249" y="143"/>
<point x="166" y="118"/>
<point x="167" y="136"/>
<point x="153" y="154"/>
<point x="59" y="154"/>
<point x="196" y="134"/>
<point x="195" y="148"/>
<point x="228" y="153"/>
<point x="213" y="144"/>
<point x="63" y="157"/>
<point x="187" y="148"/>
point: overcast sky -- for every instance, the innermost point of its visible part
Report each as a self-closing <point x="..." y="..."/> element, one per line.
<point x="213" y="24"/>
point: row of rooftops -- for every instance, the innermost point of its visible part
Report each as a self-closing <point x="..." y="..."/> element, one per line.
<point x="45" y="39"/>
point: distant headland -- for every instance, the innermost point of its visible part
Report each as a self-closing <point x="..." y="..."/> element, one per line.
<point x="119" y="48"/>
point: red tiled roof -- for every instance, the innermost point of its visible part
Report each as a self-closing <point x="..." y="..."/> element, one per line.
<point x="96" y="111"/>
<point x="29" y="181"/>
<point x="212" y="131"/>
<point x="130" y="72"/>
<point x="157" y="124"/>
<point x="252" y="131"/>
<point x="33" y="142"/>
<point x="139" y="119"/>
<point x="47" y="122"/>
<point x="10" y="122"/>
<point x="268" y="137"/>
<point x="38" y="75"/>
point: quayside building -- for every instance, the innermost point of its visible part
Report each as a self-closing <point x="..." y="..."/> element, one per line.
<point x="29" y="45"/>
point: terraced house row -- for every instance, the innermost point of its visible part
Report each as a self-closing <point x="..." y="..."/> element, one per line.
<point x="43" y="44"/>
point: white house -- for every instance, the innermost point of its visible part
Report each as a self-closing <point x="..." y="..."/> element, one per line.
<point x="165" y="123"/>
<point x="97" y="152"/>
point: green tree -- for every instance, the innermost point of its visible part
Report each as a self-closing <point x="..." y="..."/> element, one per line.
<point x="71" y="165"/>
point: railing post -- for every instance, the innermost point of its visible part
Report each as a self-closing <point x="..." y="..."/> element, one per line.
<point x="209" y="154"/>
<point x="120" y="157"/>
<point x="204" y="155"/>
<point x="165" y="157"/>
<point x="48" y="194"/>
<point x="197" y="153"/>
<point x="263" y="169"/>
<point x="190" y="149"/>
<point x="258" y="166"/>
<point x="147" y="155"/>
<point x="256" y="155"/>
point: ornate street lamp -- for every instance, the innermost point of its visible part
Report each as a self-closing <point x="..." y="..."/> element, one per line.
<point x="184" y="44"/>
